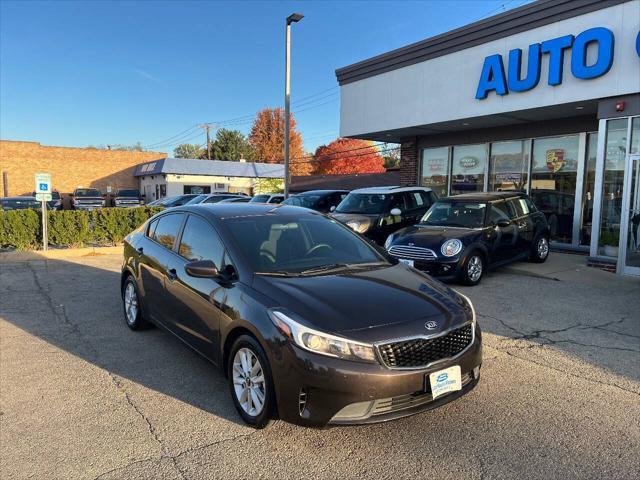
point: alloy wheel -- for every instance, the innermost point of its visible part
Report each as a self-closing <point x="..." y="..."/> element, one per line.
<point x="131" y="303"/>
<point x="474" y="268"/>
<point x="543" y="248"/>
<point x="248" y="382"/>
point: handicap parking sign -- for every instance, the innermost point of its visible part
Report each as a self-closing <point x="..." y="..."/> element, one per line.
<point x="43" y="183"/>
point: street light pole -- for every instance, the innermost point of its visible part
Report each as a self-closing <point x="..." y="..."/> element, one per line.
<point x="294" y="17"/>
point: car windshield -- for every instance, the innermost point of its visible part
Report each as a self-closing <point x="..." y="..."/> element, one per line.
<point x="260" y="199"/>
<point x="295" y="244"/>
<point x="19" y="203"/>
<point x="128" y="193"/>
<point x="179" y="200"/>
<point x="448" y="213"/>
<point x="87" y="192"/>
<point x="307" y="201"/>
<point x="367" y="203"/>
<point x="195" y="200"/>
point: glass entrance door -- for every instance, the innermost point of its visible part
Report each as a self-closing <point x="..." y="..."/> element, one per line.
<point x="630" y="221"/>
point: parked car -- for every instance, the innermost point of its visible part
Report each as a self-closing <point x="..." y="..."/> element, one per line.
<point x="309" y="321"/>
<point x="323" y="201"/>
<point x="268" y="198"/>
<point x="213" y="198"/>
<point x="175" y="201"/>
<point x="19" y="203"/>
<point x="242" y="199"/>
<point x="128" y="198"/>
<point x="460" y="237"/>
<point x="87" y="199"/>
<point x="377" y="212"/>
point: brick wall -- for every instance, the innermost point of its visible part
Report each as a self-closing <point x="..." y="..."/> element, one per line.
<point x="409" y="162"/>
<point x="69" y="167"/>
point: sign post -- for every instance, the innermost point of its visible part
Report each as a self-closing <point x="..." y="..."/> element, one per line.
<point x="43" y="193"/>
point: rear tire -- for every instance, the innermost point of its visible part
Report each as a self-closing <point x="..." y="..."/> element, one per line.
<point x="472" y="269"/>
<point x="132" y="307"/>
<point x="251" y="382"/>
<point x="540" y="249"/>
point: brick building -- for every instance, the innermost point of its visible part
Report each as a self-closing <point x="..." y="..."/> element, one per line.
<point x="69" y="167"/>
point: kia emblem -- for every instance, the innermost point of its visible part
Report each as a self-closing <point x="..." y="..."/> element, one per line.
<point x="431" y="325"/>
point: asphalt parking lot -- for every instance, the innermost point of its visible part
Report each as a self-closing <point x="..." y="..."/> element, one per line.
<point x="84" y="397"/>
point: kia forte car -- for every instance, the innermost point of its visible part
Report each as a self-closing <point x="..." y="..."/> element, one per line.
<point x="460" y="237"/>
<point x="310" y="322"/>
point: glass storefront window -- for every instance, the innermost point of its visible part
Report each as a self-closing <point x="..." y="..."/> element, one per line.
<point x="554" y="172"/>
<point x="435" y="169"/>
<point x="589" y="189"/>
<point x="612" y="187"/>
<point x="509" y="165"/>
<point x="634" y="149"/>
<point x="467" y="171"/>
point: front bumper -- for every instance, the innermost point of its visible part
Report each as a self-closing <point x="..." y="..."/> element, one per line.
<point x="312" y="389"/>
<point x="443" y="269"/>
<point x="87" y="207"/>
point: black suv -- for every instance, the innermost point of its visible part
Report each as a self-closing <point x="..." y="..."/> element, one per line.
<point x="461" y="236"/>
<point x="323" y="201"/>
<point x="379" y="211"/>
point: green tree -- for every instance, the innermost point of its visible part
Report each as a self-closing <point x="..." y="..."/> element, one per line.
<point x="188" y="150"/>
<point x="231" y="145"/>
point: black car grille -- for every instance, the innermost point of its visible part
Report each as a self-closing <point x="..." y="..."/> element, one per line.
<point x="412" y="253"/>
<point x="419" y="352"/>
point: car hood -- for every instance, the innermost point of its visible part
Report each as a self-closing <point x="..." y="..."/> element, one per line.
<point x="432" y="235"/>
<point x="367" y="305"/>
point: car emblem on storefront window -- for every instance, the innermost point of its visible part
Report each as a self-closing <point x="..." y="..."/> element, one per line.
<point x="431" y="324"/>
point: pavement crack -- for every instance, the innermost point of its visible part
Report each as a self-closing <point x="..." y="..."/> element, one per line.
<point x="566" y="372"/>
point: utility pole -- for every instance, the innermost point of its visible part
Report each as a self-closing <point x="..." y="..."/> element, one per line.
<point x="206" y="127"/>
<point x="294" y="17"/>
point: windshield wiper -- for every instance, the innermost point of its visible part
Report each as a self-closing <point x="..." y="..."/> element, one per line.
<point x="279" y="273"/>
<point x="325" y="268"/>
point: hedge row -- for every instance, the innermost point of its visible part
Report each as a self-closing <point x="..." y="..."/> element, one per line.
<point x="21" y="229"/>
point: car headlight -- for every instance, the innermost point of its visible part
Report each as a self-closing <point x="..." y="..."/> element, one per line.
<point x="471" y="309"/>
<point x="359" y="226"/>
<point x="389" y="241"/>
<point x="320" y="342"/>
<point x="451" y="247"/>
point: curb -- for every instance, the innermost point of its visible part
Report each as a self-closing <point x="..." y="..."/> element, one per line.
<point x="59" y="254"/>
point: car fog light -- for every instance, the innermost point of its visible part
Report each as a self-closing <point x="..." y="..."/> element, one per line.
<point x="354" y="411"/>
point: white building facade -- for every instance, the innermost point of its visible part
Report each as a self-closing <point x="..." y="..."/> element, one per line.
<point x="544" y="98"/>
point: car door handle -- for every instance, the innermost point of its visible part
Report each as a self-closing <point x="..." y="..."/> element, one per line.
<point x="172" y="274"/>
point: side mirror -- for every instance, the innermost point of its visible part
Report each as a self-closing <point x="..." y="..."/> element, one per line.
<point x="396" y="211"/>
<point x="202" y="269"/>
<point x="332" y="208"/>
<point x="503" y="223"/>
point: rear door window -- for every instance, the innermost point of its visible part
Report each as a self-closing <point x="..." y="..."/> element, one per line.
<point x="167" y="229"/>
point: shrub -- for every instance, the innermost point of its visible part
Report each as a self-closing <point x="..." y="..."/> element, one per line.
<point x="21" y="229"/>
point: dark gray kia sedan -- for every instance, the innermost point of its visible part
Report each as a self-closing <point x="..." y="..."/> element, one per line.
<point x="309" y="321"/>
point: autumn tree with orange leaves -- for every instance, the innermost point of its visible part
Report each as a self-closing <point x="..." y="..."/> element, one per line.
<point x="348" y="155"/>
<point x="267" y="139"/>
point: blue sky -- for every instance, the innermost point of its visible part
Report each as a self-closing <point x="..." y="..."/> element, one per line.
<point x="98" y="73"/>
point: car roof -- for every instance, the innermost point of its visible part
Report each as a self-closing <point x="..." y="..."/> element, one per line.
<point x="320" y="192"/>
<point x="390" y="189"/>
<point x="19" y="197"/>
<point x="486" y="196"/>
<point x="229" y="210"/>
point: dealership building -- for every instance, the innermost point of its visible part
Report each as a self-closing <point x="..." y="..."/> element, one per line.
<point x="543" y="98"/>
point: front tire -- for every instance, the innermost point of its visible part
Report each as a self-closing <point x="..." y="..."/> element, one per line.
<point x="131" y="304"/>
<point x="472" y="269"/>
<point x="250" y="382"/>
<point x="540" y="250"/>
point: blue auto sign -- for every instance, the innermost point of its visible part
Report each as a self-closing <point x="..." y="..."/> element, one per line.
<point x="494" y="78"/>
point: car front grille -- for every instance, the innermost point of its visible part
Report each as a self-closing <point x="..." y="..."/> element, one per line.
<point x="420" y="352"/>
<point x="404" y="402"/>
<point x="412" y="253"/>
